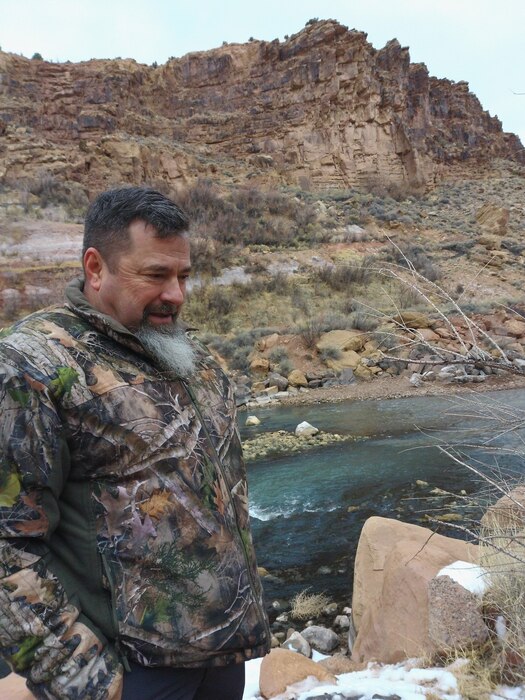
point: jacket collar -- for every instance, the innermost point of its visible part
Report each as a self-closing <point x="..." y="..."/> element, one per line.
<point x="77" y="302"/>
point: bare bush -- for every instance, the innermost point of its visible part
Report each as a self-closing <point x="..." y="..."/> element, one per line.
<point x="307" y="605"/>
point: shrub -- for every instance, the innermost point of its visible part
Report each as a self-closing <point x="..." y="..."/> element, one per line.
<point x="310" y="332"/>
<point x="277" y="355"/>
<point x="386" y="338"/>
<point x="331" y="353"/>
<point x="239" y="360"/>
<point x="416" y="256"/>
<point x="407" y="298"/>
<point x="362" y="321"/>
<point x="285" y="367"/>
<point x="343" y="277"/>
<point x="307" y="605"/>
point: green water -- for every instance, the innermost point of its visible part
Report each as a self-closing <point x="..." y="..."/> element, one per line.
<point x="308" y="509"/>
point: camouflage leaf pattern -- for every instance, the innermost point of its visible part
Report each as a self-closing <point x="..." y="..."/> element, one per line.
<point x="123" y="492"/>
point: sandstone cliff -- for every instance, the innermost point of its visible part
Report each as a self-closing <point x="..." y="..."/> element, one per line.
<point x="321" y="109"/>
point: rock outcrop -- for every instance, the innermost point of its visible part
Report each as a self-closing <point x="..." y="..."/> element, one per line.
<point x="397" y="604"/>
<point x="322" y="109"/>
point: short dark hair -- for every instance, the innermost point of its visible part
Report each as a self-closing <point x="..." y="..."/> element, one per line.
<point x="110" y="214"/>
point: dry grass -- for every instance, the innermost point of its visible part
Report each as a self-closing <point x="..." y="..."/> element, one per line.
<point x="503" y="554"/>
<point x="307" y="605"/>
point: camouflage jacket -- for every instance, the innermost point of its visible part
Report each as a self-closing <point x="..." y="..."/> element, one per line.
<point x="123" y="509"/>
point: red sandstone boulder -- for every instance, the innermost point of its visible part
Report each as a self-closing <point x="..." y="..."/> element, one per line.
<point x="395" y="563"/>
<point x="13" y="687"/>
<point x="281" y="668"/>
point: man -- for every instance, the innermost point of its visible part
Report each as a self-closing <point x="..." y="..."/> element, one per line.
<point x="126" y="564"/>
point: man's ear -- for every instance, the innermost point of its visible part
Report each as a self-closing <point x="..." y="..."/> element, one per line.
<point x="93" y="268"/>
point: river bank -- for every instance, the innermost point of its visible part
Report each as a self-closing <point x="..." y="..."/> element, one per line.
<point x="395" y="387"/>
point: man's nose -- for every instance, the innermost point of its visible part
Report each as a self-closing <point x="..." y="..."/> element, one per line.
<point x="173" y="292"/>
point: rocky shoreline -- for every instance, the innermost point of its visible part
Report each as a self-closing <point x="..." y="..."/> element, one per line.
<point x="393" y="387"/>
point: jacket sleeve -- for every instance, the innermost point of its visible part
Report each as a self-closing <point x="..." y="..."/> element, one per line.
<point x="42" y="633"/>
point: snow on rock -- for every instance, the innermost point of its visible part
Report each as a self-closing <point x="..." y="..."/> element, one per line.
<point x="404" y="680"/>
<point x="472" y="577"/>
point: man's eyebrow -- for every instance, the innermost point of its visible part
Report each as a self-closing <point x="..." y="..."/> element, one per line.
<point x="157" y="267"/>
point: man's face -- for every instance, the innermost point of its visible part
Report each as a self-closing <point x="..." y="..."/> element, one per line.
<point x="147" y="285"/>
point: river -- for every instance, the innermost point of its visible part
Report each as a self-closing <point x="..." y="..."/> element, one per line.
<point x="308" y="509"/>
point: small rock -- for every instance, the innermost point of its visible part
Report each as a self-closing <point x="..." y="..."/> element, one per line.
<point x="324" y="570"/>
<point x="252" y="420"/>
<point x="416" y="379"/>
<point x="304" y="429"/>
<point x="330" y="609"/>
<point x="342" y="621"/>
<point x="321" y="638"/>
<point x="449" y="517"/>
<point x="296" y="642"/>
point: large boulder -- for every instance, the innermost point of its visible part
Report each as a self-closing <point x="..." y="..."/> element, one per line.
<point x="413" y="319"/>
<point x="395" y="563"/>
<point x="364" y="372"/>
<point x="342" y="340"/>
<point x="493" y="219"/>
<point x="349" y="359"/>
<point x="515" y="327"/>
<point x="259" y="365"/>
<point x="274" y="378"/>
<point x="297" y="378"/>
<point x="281" y="667"/>
<point x="268" y="342"/>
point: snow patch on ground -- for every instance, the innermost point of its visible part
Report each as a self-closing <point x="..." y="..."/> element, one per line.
<point x="404" y="680"/>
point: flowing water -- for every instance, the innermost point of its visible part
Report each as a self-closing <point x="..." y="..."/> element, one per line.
<point x="308" y="509"/>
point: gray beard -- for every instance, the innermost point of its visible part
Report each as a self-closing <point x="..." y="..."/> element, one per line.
<point x="171" y="348"/>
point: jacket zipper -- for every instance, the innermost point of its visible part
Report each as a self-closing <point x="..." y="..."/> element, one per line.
<point x="232" y="500"/>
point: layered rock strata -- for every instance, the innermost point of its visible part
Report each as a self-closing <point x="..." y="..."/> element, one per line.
<point x="322" y="109"/>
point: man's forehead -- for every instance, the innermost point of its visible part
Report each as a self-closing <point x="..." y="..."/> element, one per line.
<point x="144" y="239"/>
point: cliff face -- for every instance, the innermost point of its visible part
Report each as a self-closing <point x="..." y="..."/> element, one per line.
<point x="323" y="108"/>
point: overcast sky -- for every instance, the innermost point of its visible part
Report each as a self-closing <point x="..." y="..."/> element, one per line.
<point x="480" y="41"/>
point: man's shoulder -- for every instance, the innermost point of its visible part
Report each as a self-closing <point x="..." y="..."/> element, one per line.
<point x="38" y="333"/>
<point x="44" y="322"/>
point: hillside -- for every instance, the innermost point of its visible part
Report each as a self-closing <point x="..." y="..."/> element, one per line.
<point x="305" y="165"/>
<point x="321" y="110"/>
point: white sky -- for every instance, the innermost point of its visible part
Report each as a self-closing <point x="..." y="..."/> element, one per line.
<point x="480" y="41"/>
